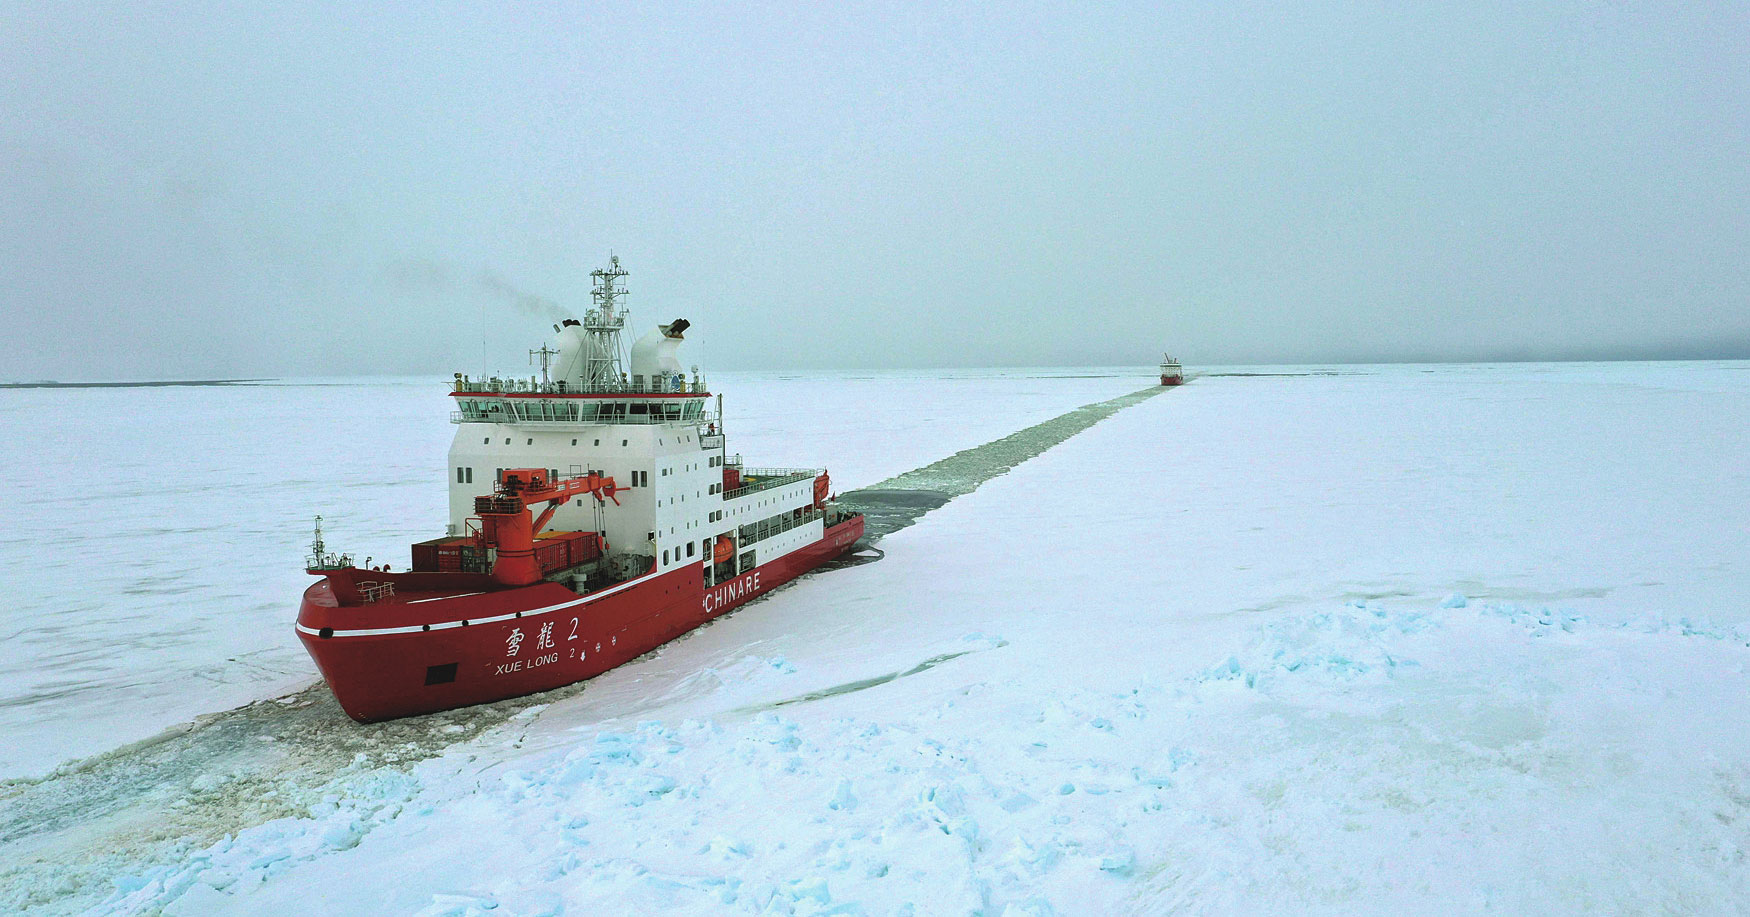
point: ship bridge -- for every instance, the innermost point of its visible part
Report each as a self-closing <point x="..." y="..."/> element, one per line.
<point x="530" y="401"/>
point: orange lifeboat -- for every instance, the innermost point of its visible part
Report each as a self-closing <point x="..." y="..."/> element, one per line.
<point x="724" y="551"/>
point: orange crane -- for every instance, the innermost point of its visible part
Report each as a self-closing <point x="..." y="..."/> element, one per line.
<point x="505" y="517"/>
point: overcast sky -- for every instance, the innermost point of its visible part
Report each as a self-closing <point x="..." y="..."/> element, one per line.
<point x="257" y="189"/>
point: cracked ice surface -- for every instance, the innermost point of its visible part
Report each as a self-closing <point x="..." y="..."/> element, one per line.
<point x="1410" y="640"/>
<point x="165" y="583"/>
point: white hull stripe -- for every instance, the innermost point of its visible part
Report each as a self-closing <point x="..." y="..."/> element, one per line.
<point x="445" y="625"/>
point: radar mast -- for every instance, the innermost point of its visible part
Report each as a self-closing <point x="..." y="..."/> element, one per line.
<point x="603" y="368"/>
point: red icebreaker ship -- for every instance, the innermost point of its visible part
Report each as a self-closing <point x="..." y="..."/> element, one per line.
<point x="607" y="520"/>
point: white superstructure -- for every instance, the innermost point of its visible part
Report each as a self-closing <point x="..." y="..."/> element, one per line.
<point x="644" y="423"/>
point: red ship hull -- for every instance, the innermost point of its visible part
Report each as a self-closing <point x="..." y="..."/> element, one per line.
<point x="401" y="658"/>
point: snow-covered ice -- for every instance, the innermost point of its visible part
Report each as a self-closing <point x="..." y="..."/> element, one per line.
<point x="169" y="525"/>
<point x="1390" y="640"/>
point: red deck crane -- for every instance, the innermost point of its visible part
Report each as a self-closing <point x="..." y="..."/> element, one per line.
<point x="505" y="518"/>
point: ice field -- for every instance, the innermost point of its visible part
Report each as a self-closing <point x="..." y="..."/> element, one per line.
<point x="164" y="579"/>
<point x="1407" y="639"/>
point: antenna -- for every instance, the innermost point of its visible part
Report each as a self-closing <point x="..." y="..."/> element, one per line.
<point x="546" y="354"/>
<point x="603" y="359"/>
<point x="607" y="288"/>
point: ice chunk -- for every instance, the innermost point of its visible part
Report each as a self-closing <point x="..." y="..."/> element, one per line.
<point x="198" y="899"/>
<point x="810" y="889"/>
<point x="343" y="835"/>
<point x="458" y="904"/>
<point x="723" y="848"/>
<point x="842" y="799"/>
<point x="1032" y="907"/>
<point x="1120" y="862"/>
<point x="1455" y="600"/>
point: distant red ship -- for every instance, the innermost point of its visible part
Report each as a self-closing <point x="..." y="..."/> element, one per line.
<point x="1171" y="372"/>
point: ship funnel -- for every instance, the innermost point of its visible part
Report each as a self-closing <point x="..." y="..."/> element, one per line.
<point x="654" y="361"/>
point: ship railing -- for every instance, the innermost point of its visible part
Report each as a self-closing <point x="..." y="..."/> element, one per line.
<point x="375" y="592"/>
<point x="710" y="441"/>
<point x="777" y="525"/>
<point x="570" y="412"/>
<point x="768" y="478"/>
<point x="327" y="561"/>
<point x="497" y="386"/>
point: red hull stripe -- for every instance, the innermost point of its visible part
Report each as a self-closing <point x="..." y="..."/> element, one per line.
<point x="445" y="625"/>
<point x="461" y="595"/>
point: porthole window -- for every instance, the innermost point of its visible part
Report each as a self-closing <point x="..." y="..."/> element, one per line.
<point x="486" y="442"/>
<point x="665" y="557"/>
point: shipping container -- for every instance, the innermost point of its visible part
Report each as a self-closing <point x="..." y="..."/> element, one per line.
<point x="438" y="555"/>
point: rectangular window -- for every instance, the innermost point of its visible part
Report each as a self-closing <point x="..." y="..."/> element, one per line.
<point x="689" y="549"/>
<point x="459" y="479"/>
<point x="665" y="557"/>
<point x="470" y="476"/>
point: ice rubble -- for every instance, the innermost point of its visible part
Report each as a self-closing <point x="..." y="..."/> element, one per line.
<point x="1242" y="683"/>
<point x="1356" y="756"/>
